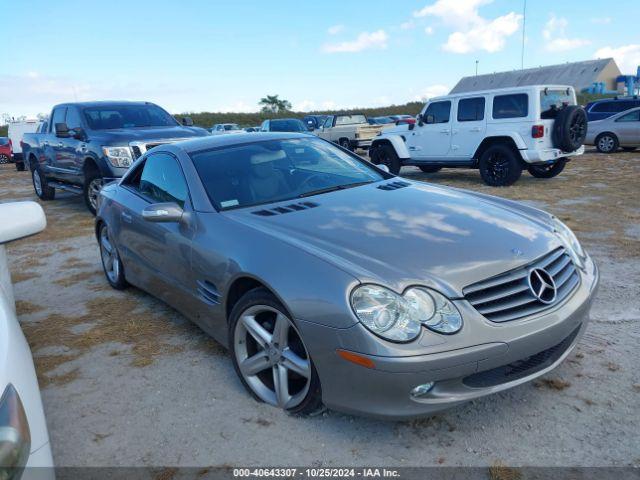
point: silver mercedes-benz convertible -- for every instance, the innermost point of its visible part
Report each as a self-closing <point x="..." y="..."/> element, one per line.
<point x="334" y="283"/>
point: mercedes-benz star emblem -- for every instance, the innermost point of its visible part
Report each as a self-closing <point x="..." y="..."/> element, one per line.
<point x="542" y="285"/>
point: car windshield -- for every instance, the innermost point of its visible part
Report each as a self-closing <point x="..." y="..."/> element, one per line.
<point x="287" y="126"/>
<point x="551" y="101"/>
<point x="127" y="116"/>
<point x="4" y="140"/>
<point x="276" y="170"/>
<point x="231" y="126"/>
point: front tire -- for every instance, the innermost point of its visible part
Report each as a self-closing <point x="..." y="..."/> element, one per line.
<point x="500" y="166"/>
<point x="270" y="357"/>
<point x="40" y="185"/>
<point x="92" y="185"/>
<point x="346" y="144"/>
<point x="386" y="155"/>
<point x="548" y="171"/>
<point x="607" y="143"/>
<point x="4" y="159"/>
<point x="111" y="263"/>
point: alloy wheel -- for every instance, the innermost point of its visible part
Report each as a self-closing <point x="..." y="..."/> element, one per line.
<point x="4" y="159"/>
<point x="498" y="167"/>
<point x="606" y="143"/>
<point x="93" y="191"/>
<point x="37" y="183"/>
<point x="578" y="129"/>
<point x="109" y="255"/>
<point x="271" y="356"/>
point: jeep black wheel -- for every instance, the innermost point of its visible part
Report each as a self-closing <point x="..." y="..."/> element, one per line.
<point x="548" y="171"/>
<point x="429" y="168"/>
<point x="606" y="143"/>
<point x="42" y="189"/>
<point x="386" y="155"/>
<point x="500" y="166"/>
<point x="570" y="128"/>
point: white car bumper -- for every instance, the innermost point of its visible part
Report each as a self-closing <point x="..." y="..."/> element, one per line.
<point x="546" y="155"/>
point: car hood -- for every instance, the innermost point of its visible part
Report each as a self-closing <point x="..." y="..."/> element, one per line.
<point x="416" y="234"/>
<point x="122" y="136"/>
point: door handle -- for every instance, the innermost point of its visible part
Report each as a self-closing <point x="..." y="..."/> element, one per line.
<point x="126" y="217"/>
<point x="476" y="129"/>
<point x="446" y="132"/>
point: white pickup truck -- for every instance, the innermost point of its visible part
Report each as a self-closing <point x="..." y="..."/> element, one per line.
<point x="348" y="131"/>
<point x="500" y="132"/>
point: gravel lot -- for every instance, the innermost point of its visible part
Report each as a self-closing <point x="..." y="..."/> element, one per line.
<point x="128" y="381"/>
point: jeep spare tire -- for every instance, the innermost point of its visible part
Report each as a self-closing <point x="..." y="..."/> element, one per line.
<point x="570" y="128"/>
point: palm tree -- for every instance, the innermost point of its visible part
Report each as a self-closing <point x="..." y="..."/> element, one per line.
<point x="273" y="104"/>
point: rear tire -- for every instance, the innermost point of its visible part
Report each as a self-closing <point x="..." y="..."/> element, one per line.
<point x="346" y="144"/>
<point x="500" y="166"/>
<point x="40" y="186"/>
<point x="263" y="310"/>
<point x="386" y="155"/>
<point x="92" y="185"/>
<point x="429" y="168"/>
<point x="607" y="143"/>
<point x="570" y="128"/>
<point x="548" y="171"/>
<point x="4" y="159"/>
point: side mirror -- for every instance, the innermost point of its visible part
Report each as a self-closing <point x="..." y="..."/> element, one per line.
<point x="78" y="133"/>
<point x="163" y="212"/>
<point x="20" y="219"/>
<point x="62" y="130"/>
<point x="187" y="121"/>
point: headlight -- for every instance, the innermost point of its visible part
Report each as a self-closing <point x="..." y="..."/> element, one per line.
<point x="385" y="313"/>
<point x="570" y="241"/>
<point x="15" y="439"/>
<point x="118" y="156"/>
<point x="434" y="310"/>
<point x="399" y="317"/>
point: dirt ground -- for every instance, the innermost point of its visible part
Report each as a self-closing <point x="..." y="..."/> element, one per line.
<point x="128" y="381"/>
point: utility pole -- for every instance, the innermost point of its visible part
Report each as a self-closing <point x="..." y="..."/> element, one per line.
<point x="477" y="61"/>
<point x="524" y="24"/>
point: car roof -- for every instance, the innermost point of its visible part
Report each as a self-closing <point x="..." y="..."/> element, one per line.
<point x="499" y="91"/>
<point x="616" y="99"/>
<point x="102" y="103"/>
<point x="216" y="141"/>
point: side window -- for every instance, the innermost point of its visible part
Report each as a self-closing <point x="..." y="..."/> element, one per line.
<point x="265" y="126"/>
<point x="511" y="106"/>
<point x="162" y="179"/>
<point x="328" y="122"/>
<point x="471" y="109"/>
<point x="73" y="119"/>
<point x="630" y="117"/>
<point x="622" y="106"/>
<point x="441" y="111"/>
<point x="58" y="117"/>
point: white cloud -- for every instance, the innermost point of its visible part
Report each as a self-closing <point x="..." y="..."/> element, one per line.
<point x="431" y="91"/>
<point x="428" y="30"/>
<point x="365" y="41"/>
<point x="304" y="106"/>
<point x="240" y="106"/>
<point x="627" y="57"/>
<point x="555" y="34"/>
<point x="409" y="25"/>
<point x="601" y="20"/>
<point x="335" y="29"/>
<point x="472" y="32"/>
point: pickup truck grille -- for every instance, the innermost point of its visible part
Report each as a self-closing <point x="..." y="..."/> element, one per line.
<point x="509" y="296"/>
<point x="140" y="148"/>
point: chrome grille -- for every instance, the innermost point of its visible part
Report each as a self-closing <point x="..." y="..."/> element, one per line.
<point x="508" y="296"/>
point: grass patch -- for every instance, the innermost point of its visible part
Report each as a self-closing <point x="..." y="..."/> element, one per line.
<point x="498" y="471"/>
<point x="552" y="383"/>
<point x="75" y="278"/>
<point x="27" y="308"/>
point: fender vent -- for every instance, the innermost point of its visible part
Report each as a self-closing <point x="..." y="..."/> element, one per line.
<point x="294" y="207"/>
<point x="208" y="292"/>
<point x="393" y="185"/>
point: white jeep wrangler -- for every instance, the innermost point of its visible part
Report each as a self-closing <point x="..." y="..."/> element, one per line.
<point x="498" y="131"/>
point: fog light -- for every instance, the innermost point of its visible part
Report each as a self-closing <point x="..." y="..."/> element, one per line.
<point x="422" y="390"/>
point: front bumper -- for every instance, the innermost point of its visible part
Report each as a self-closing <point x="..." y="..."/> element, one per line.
<point x="547" y="155"/>
<point x="496" y="357"/>
<point x="363" y="144"/>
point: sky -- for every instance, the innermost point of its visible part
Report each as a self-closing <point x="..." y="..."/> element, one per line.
<point x="221" y="55"/>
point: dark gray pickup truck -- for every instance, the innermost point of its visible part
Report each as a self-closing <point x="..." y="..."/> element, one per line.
<point x="84" y="145"/>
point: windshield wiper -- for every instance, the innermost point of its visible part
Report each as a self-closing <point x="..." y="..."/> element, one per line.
<point x="333" y="189"/>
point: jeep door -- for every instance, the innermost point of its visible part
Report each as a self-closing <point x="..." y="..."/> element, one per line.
<point x="469" y="127"/>
<point x="431" y="139"/>
<point x="327" y="127"/>
<point x="157" y="254"/>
